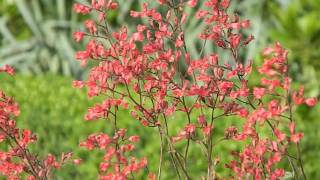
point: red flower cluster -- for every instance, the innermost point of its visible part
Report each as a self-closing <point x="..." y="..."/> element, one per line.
<point x="116" y="164"/>
<point x="17" y="161"/>
<point x="7" y="69"/>
<point x="143" y="71"/>
<point x="261" y="157"/>
<point x="151" y="72"/>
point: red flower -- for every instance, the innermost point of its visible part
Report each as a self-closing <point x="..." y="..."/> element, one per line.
<point x="112" y="5"/>
<point x="202" y="120"/>
<point x="235" y="41"/>
<point x="78" y="36"/>
<point x="134" y="138"/>
<point x="78" y="84"/>
<point x="259" y="92"/>
<point x="138" y="69"/>
<point x="192" y="3"/>
<point x="201" y="13"/>
<point x="190" y="128"/>
<point x="311" y="101"/>
<point x="134" y="14"/>
<point x="104" y="166"/>
<point x="224" y="4"/>
<point x="277" y="174"/>
<point x="206" y="130"/>
<point x="83" y="56"/>
<point x="296" y="137"/>
<point x="280" y="136"/>
<point x="80" y="8"/>
<point x="77" y="161"/>
<point x="7" y="69"/>
<point x="91" y="26"/>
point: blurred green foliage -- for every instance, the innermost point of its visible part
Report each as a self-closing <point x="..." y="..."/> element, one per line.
<point x="37" y="39"/>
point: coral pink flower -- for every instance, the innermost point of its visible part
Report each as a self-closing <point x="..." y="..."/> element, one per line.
<point x="80" y="8"/>
<point x="134" y="138"/>
<point x="259" y="92"/>
<point x="311" y="101"/>
<point x="8" y="69"/>
<point x="90" y="24"/>
<point x="192" y="3"/>
<point x="78" y="36"/>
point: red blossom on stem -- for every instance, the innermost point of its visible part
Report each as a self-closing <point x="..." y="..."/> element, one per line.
<point x="147" y="79"/>
<point x="17" y="161"/>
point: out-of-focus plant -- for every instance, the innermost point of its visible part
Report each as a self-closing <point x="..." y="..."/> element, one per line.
<point x="296" y="24"/>
<point x="36" y="36"/>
